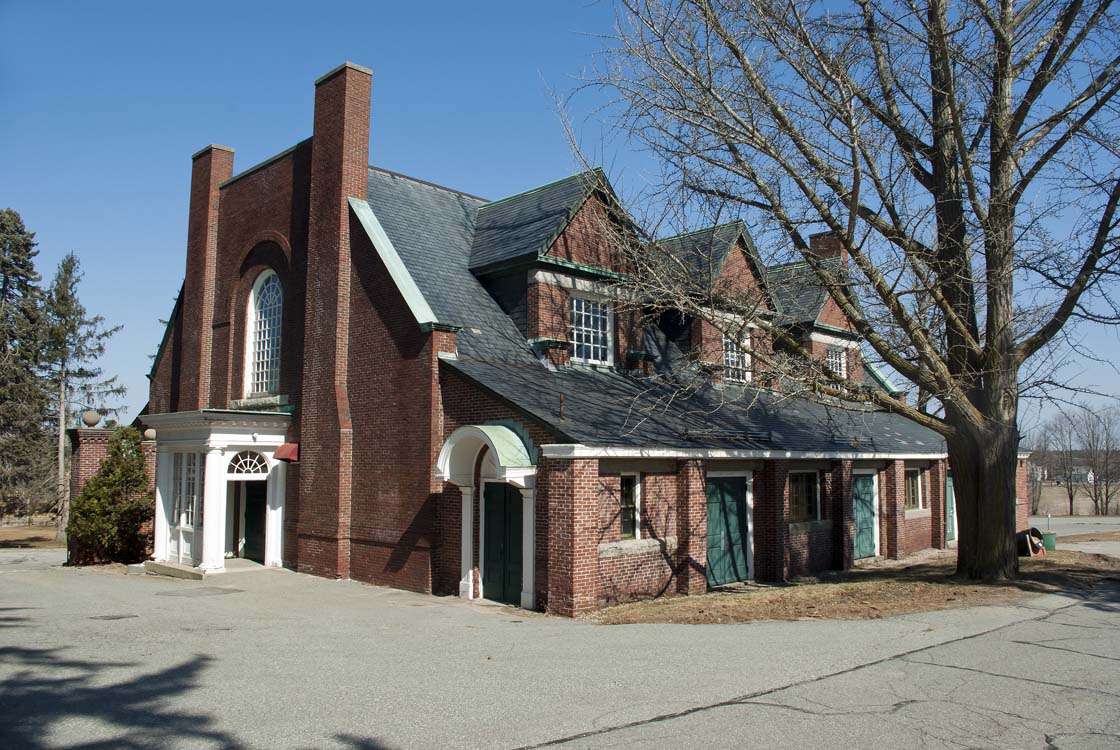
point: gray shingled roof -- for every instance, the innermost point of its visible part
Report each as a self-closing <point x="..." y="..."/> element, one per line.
<point x="613" y="409"/>
<point x="799" y="291"/>
<point x="431" y="228"/>
<point x="525" y="225"/>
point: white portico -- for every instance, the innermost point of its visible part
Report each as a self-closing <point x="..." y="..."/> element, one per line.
<point x="219" y="488"/>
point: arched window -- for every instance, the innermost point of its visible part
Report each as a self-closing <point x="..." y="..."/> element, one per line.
<point x="262" y="344"/>
<point x="247" y="462"/>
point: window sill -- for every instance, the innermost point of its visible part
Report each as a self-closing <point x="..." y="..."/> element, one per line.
<point x="804" y="526"/>
<point x="630" y="547"/>
<point x="918" y="513"/>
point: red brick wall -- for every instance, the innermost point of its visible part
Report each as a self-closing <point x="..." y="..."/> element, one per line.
<point x="1022" y="496"/>
<point x="650" y="572"/>
<point x="568" y="488"/>
<point x="583" y="241"/>
<point x="163" y="390"/>
<point x="771" y="522"/>
<point x="811" y="542"/>
<point x="210" y="167"/>
<point x="339" y="168"/>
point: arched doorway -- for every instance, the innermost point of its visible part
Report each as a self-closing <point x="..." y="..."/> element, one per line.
<point x="506" y="517"/>
<point x="247" y="475"/>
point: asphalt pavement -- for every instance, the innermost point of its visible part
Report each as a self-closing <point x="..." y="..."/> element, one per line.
<point x="274" y="659"/>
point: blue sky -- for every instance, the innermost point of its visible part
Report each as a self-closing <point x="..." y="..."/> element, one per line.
<point x="105" y="103"/>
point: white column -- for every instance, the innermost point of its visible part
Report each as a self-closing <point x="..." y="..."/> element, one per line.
<point x="214" y="512"/>
<point x="274" y="518"/>
<point x="162" y="530"/>
<point x="528" y="549"/>
<point x="466" y="545"/>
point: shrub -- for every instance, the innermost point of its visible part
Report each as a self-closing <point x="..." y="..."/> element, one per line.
<point x="107" y="517"/>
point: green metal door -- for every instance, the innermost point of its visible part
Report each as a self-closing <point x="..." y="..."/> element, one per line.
<point x="255" y="502"/>
<point x="728" y="531"/>
<point x="863" y="516"/>
<point x="501" y="574"/>
<point x="950" y="510"/>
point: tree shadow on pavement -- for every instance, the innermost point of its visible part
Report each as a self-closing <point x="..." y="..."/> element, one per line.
<point x="43" y="690"/>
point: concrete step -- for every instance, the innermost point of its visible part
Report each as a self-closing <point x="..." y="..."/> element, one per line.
<point x="173" y="570"/>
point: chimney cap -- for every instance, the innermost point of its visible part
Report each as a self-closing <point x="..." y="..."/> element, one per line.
<point x="347" y="64"/>
<point x="211" y="147"/>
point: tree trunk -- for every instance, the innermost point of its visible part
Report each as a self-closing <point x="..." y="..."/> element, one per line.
<point x="983" y="465"/>
<point x="63" y="487"/>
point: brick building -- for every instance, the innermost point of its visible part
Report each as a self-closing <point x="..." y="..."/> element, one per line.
<point x="369" y="376"/>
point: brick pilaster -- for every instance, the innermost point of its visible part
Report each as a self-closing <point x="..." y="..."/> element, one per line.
<point x="210" y="167"/>
<point x="771" y="522"/>
<point x="839" y="479"/>
<point x="893" y="503"/>
<point x="339" y="170"/>
<point x="692" y="528"/>
<point x="937" y="504"/>
<point x="569" y="489"/>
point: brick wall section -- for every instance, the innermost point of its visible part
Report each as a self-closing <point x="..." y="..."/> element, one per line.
<point x="163" y="387"/>
<point x="935" y="478"/>
<point x="771" y="522"/>
<point x="89" y="447"/>
<point x="568" y="488"/>
<point x="339" y="159"/>
<point x="210" y="167"/>
<point x="839" y="478"/>
<point x="1022" y="496"/>
<point x="892" y="500"/>
<point x="650" y="572"/>
<point x="584" y="241"/>
<point x="692" y="528"/>
<point x="810" y="545"/>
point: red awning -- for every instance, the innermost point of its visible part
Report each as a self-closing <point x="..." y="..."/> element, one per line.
<point x="287" y="452"/>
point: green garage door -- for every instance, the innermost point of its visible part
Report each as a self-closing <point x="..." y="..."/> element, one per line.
<point x="728" y="532"/>
<point x="863" y="516"/>
<point x="501" y="575"/>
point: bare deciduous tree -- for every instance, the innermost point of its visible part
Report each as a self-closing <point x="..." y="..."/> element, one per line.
<point x="964" y="153"/>
<point x="1098" y="434"/>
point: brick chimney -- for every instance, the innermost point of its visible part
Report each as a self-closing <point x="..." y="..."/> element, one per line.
<point x="210" y="167"/>
<point x="828" y="245"/>
<point x="339" y="170"/>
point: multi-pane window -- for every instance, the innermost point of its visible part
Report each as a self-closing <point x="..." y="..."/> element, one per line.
<point x="190" y="487"/>
<point x="589" y="331"/>
<point x="804" y="501"/>
<point x="266" y="306"/>
<point x="737" y="359"/>
<point x="176" y="489"/>
<point x="837" y="360"/>
<point x="628" y="505"/>
<point x="187" y="477"/>
<point x="913" y="489"/>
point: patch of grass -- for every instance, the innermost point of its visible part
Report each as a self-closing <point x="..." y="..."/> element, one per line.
<point x="28" y="536"/>
<point x="872" y="593"/>
<point x="1092" y="536"/>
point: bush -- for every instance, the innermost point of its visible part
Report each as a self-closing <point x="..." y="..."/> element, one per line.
<point x="107" y="517"/>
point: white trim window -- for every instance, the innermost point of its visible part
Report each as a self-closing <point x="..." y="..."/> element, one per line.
<point x="804" y="496"/>
<point x="629" y="506"/>
<point x="737" y="358"/>
<point x="589" y="331"/>
<point x="262" y="335"/>
<point x="836" y="358"/>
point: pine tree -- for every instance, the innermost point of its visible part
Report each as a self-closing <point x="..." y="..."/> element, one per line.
<point x="24" y="444"/>
<point x="108" y="514"/>
<point x="74" y="344"/>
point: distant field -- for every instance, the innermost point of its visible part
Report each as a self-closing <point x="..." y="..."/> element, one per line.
<point x="1055" y="501"/>
<point x="35" y="535"/>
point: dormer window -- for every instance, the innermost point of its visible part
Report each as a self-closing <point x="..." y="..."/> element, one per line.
<point x="737" y="359"/>
<point x="589" y="331"/>
<point x="262" y="336"/>
<point x="836" y="359"/>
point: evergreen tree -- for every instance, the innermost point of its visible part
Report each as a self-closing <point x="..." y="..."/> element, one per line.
<point x="108" y="514"/>
<point x="24" y="444"/>
<point x="75" y="342"/>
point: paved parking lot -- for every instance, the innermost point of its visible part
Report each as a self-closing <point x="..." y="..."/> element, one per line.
<point x="273" y="659"/>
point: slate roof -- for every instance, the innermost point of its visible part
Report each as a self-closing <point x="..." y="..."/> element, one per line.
<point x="798" y="290"/>
<point x="435" y="231"/>
<point x="431" y="228"/>
<point x="612" y="409"/>
<point x="523" y="226"/>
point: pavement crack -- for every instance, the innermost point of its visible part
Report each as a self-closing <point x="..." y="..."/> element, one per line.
<point x="1067" y="650"/>
<point x="1010" y="676"/>
<point x="749" y="697"/>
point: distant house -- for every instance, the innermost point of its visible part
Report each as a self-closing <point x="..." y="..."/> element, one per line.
<point x="370" y="376"/>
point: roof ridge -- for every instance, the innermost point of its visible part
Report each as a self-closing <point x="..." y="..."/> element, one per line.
<point x="427" y="183"/>
<point x="596" y="170"/>
<point x="797" y="264"/>
<point x="712" y="228"/>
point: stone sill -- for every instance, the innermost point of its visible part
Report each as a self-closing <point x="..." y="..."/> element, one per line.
<point x="808" y="526"/>
<point x="921" y="513"/>
<point x="631" y="547"/>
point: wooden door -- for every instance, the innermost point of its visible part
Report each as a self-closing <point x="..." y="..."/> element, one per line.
<point x="863" y="516"/>
<point x="502" y="519"/>
<point x="728" y="530"/>
<point x="256" y="494"/>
